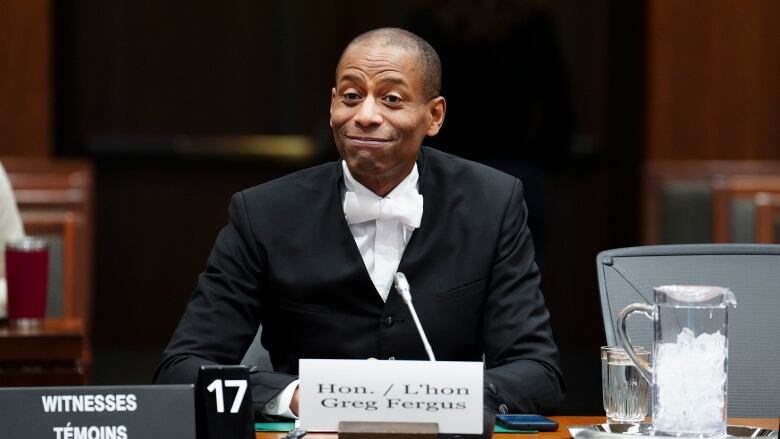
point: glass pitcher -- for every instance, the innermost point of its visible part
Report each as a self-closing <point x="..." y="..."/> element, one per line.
<point x="690" y="358"/>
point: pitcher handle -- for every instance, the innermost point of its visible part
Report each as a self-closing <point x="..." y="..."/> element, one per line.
<point x="642" y="365"/>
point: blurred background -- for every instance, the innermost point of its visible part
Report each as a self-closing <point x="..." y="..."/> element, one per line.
<point x="623" y="118"/>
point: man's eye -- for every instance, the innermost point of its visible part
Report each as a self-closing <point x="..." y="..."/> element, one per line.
<point x="351" y="97"/>
<point x="393" y="99"/>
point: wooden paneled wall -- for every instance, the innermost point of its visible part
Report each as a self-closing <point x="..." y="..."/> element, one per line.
<point x="25" y="77"/>
<point x="713" y="89"/>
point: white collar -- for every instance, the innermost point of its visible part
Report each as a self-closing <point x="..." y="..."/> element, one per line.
<point x="352" y="185"/>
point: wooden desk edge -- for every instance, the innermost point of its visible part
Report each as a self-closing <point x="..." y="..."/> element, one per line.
<point x="55" y="339"/>
<point x="563" y="428"/>
<point x="48" y="326"/>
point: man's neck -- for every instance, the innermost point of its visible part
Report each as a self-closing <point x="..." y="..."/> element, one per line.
<point x="381" y="188"/>
<point x="382" y="185"/>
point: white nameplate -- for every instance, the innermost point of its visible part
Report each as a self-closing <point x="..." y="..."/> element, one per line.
<point x="445" y="392"/>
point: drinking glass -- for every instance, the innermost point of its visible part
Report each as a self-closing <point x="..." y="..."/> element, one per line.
<point x="625" y="393"/>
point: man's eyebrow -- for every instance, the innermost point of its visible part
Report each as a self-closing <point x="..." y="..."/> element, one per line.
<point x="394" y="80"/>
<point x="348" y="77"/>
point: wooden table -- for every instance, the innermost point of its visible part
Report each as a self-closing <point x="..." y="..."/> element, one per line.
<point x="45" y="355"/>
<point x="562" y="433"/>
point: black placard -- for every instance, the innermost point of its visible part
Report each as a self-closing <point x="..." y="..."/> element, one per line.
<point x="120" y="412"/>
<point x="224" y="403"/>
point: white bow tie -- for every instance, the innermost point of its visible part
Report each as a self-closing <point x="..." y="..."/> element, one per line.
<point x="407" y="208"/>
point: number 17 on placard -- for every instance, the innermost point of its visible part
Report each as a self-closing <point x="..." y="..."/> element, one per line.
<point x="217" y="388"/>
<point x="224" y="407"/>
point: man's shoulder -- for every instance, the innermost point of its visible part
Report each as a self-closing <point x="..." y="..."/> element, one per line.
<point x="309" y="181"/>
<point x="449" y="166"/>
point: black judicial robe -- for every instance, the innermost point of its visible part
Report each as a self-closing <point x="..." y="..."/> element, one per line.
<point x="287" y="260"/>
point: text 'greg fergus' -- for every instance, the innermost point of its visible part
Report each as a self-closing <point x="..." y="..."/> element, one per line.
<point x="406" y="389"/>
<point x="393" y="403"/>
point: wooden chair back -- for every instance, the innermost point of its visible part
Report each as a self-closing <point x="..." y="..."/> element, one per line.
<point x="679" y="200"/>
<point x="727" y="189"/>
<point x="767" y="217"/>
<point x="55" y="200"/>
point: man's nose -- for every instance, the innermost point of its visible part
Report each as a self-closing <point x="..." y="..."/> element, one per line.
<point x="368" y="113"/>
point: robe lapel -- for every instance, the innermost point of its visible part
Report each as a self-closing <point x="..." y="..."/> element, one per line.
<point x="413" y="259"/>
<point x="365" y="287"/>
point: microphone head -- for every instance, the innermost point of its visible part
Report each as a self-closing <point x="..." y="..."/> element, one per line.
<point x="402" y="286"/>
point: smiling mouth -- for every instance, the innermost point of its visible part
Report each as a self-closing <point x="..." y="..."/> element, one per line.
<point x="367" y="142"/>
<point x="367" y="139"/>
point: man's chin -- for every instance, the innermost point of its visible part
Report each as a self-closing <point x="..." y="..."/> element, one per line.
<point x="364" y="165"/>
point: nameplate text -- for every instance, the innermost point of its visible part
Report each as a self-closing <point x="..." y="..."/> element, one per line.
<point x="445" y="392"/>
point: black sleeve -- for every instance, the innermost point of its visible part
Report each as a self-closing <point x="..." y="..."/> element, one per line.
<point x="521" y="358"/>
<point x="223" y="314"/>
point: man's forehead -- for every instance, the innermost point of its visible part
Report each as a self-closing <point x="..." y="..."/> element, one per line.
<point x="381" y="42"/>
<point x="391" y="62"/>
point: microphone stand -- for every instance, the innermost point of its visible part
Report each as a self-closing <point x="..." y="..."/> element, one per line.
<point x="402" y="287"/>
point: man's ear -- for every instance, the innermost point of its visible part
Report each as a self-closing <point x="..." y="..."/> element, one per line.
<point x="332" y="100"/>
<point x="437" y="107"/>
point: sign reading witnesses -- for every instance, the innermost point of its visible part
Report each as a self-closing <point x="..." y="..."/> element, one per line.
<point x="105" y="412"/>
<point x="445" y="392"/>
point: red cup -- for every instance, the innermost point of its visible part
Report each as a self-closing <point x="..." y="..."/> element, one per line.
<point x="27" y="273"/>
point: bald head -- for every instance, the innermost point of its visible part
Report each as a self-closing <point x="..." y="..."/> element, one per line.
<point x="428" y="59"/>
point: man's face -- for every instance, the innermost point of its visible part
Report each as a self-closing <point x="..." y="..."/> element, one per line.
<point x="380" y="115"/>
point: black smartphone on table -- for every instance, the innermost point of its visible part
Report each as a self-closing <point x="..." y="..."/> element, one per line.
<point x="526" y="422"/>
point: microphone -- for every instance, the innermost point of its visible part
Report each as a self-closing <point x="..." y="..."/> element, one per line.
<point x="402" y="286"/>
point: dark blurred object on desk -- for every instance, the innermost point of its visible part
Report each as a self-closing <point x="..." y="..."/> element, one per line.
<point x="27" y="274"/>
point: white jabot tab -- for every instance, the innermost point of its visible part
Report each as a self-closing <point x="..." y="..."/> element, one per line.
<point x="382" y="226"/>
<point x="403" y="203"/>
<point x="407" y="208"/>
